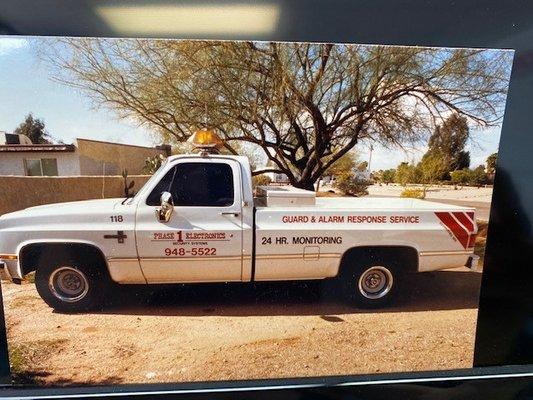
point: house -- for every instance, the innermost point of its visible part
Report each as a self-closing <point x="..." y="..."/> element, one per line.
<point x="13" y="138"/>
<point x="278" y="178"/>
<point x="86" y="157"/>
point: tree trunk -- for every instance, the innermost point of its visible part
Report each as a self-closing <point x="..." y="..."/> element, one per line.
<point x="306" y="185"/>
<point x="318" y="185"/>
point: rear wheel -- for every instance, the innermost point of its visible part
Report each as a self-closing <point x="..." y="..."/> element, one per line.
<point x="371" y="282"/>
<point x="71" y="286"/>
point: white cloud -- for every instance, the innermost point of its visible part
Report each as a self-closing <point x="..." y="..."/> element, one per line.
<point x="10" y="44"/>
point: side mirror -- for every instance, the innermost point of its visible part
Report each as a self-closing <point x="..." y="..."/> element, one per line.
<point x="164" y="212"/>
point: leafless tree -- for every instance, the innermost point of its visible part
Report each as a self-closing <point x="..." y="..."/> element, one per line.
<point x="304" y="105"/>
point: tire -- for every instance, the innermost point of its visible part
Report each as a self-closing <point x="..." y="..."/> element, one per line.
<point x="72" y="285"/>
<point x="370" y="282"/>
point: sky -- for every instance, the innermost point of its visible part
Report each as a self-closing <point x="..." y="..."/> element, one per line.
<point x="26" y="86"/>
<point x="481" y="144"/>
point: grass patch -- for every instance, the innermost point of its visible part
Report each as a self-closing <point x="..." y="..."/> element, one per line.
<point x="482" y="228"/>
<point x="481" y="240"/>
<point x="413" y="193"/>
<point x="329" y="193"/>
<point x="479" y="250"/>
<point x="26" y="359"/>
<point x="30" y="277"/>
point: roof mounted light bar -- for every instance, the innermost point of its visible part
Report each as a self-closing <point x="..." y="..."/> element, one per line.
<point x="207" y="141"/>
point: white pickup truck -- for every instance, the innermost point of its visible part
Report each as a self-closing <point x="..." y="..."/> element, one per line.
<point x="196" y="220"/>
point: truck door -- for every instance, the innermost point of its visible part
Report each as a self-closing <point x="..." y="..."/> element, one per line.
<point x="202" y="241"/>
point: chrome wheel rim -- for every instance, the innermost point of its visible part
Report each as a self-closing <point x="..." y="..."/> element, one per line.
<point x="375" y="282"/>
<point x="68" y="284"/>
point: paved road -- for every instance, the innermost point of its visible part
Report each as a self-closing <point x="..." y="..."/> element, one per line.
<point x="482" y="208"/>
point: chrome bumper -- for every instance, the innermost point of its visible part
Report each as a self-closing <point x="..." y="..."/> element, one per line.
<point x="472" y="262"/>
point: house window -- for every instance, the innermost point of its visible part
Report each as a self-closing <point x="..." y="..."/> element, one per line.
<point x="40" y="166"/>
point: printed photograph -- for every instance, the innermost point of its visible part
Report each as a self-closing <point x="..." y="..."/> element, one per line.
<point x="192" y="211"/>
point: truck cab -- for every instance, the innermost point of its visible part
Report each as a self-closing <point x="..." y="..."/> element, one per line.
<point x="209" y="235"/>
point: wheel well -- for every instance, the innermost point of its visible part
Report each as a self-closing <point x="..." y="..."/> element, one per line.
<point x="404" y="256"/>
<point x="35" y="254"/>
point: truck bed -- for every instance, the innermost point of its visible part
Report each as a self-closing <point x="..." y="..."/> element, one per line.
<point x="308" y="241"/>
<point x="370" y="203"/>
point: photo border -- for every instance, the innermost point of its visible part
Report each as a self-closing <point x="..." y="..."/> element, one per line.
<point x="5" y="373"/>
<point x="504" y="333"/>
<point x="288" y="388"/>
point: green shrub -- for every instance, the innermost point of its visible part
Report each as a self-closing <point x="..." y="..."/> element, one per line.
<point x="460" y="176"/>
<point x="413" y="193"/>
<point x="351" y="185"/>
<point x="408" y="173"/>
<point x="30" y="277"/>
<point x="478" y="176"/>
<point x="152" y="164"/>
<point x="472" y="177"/>
<point x="387" y="176"/>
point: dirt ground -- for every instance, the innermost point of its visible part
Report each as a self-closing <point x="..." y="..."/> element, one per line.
<point x="436" y="192"/>
<point x="241" y="331"/>
<point x="459" y="195"/>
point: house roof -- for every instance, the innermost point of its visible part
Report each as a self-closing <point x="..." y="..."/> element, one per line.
<point x="29" y="148"/>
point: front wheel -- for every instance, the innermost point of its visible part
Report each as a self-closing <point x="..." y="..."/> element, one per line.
<point x="370" y="284"/>
<point x="70" y="287"/>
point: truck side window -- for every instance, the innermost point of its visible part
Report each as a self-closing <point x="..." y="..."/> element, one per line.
<point x="196" y="184"/>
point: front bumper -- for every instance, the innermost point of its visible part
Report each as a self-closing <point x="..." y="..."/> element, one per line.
<point x="472" y="262"/>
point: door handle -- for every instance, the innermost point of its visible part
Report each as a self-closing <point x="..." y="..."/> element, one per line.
<point x="235" y="214"/>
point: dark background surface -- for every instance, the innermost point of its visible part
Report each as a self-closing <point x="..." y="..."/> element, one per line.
<point x="445" y="385"/>
<point x="505" y="325"/>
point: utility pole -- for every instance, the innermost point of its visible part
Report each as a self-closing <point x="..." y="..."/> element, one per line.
<point x="370" y="157"/>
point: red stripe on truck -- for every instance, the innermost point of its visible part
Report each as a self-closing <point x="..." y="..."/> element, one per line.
<point x="471" y="228"/>
<point x="458" y="231"/>
<point x="465" y="221"/>
<point x="472" y="240"/>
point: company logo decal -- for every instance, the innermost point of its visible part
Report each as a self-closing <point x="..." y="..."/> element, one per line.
<point x="180" y="238"/>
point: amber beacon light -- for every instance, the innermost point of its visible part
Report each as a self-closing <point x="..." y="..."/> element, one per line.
<point x="206" y="140"/>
